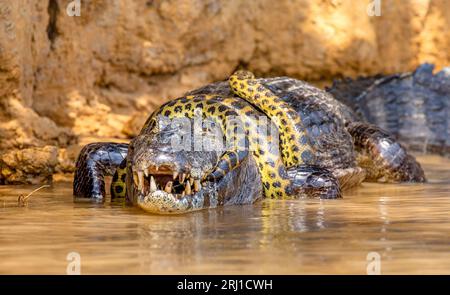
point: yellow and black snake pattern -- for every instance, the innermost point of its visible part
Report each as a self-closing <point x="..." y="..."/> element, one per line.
<point x="223" y="109"/>
<point x="118" y="183"/>
<point x="294" y="145"/>
<point x="272" y="169"/>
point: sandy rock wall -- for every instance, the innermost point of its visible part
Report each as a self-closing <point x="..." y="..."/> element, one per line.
<point x="66" y="80"/>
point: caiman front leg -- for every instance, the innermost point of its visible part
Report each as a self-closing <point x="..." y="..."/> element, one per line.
<point x="97" y="160"/>
<point x="312" y="182"/>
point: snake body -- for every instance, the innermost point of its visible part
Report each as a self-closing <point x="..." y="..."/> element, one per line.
<point x="295" y="147"/>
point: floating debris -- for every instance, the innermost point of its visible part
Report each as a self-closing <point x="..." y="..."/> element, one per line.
<point x="23" y="200"/>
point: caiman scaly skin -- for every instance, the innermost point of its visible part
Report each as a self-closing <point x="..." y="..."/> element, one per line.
<point x="412" y="107"/>
<point x="321" y="149"/>
<point x="97" y="160"/>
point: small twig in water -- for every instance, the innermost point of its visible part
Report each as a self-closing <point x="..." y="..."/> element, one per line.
<point x="23" y="200"/>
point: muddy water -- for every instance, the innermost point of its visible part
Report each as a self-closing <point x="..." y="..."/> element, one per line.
<point x="408" y="226"/>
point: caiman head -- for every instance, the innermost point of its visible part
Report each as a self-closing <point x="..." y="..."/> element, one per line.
<point x="164" y="178"/>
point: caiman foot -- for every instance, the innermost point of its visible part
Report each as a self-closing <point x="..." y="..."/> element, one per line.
<point x="312" y="181"/>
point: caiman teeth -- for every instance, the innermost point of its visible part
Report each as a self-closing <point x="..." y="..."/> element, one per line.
<point x="183" y="184"/>
<point x="182" y="177"/>
<point x="135" y="178"/>
<point x="197" y="185"/>
<point x="140" y="180"/>
<point x="187" y="188"/>
<point x="153" y="186"/>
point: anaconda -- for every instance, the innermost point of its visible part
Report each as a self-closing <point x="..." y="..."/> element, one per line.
<point x="320" y="149"/>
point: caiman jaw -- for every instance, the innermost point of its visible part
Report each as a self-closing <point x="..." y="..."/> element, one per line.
<point x="176" y="183"/>
<point x="164" y="190"/>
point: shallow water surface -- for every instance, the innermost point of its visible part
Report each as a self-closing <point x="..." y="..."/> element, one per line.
<point x="408" y="226"/>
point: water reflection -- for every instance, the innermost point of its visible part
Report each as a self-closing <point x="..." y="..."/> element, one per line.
<point x="383" y="207"/>
<point x="408" y="225"/>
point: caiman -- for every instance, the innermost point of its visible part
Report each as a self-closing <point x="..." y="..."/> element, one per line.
<point x="284" y="139"/>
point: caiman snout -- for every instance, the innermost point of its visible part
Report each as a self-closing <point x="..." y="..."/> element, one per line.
<point x="165" y="180"/>
<point x="164" y="190"/>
